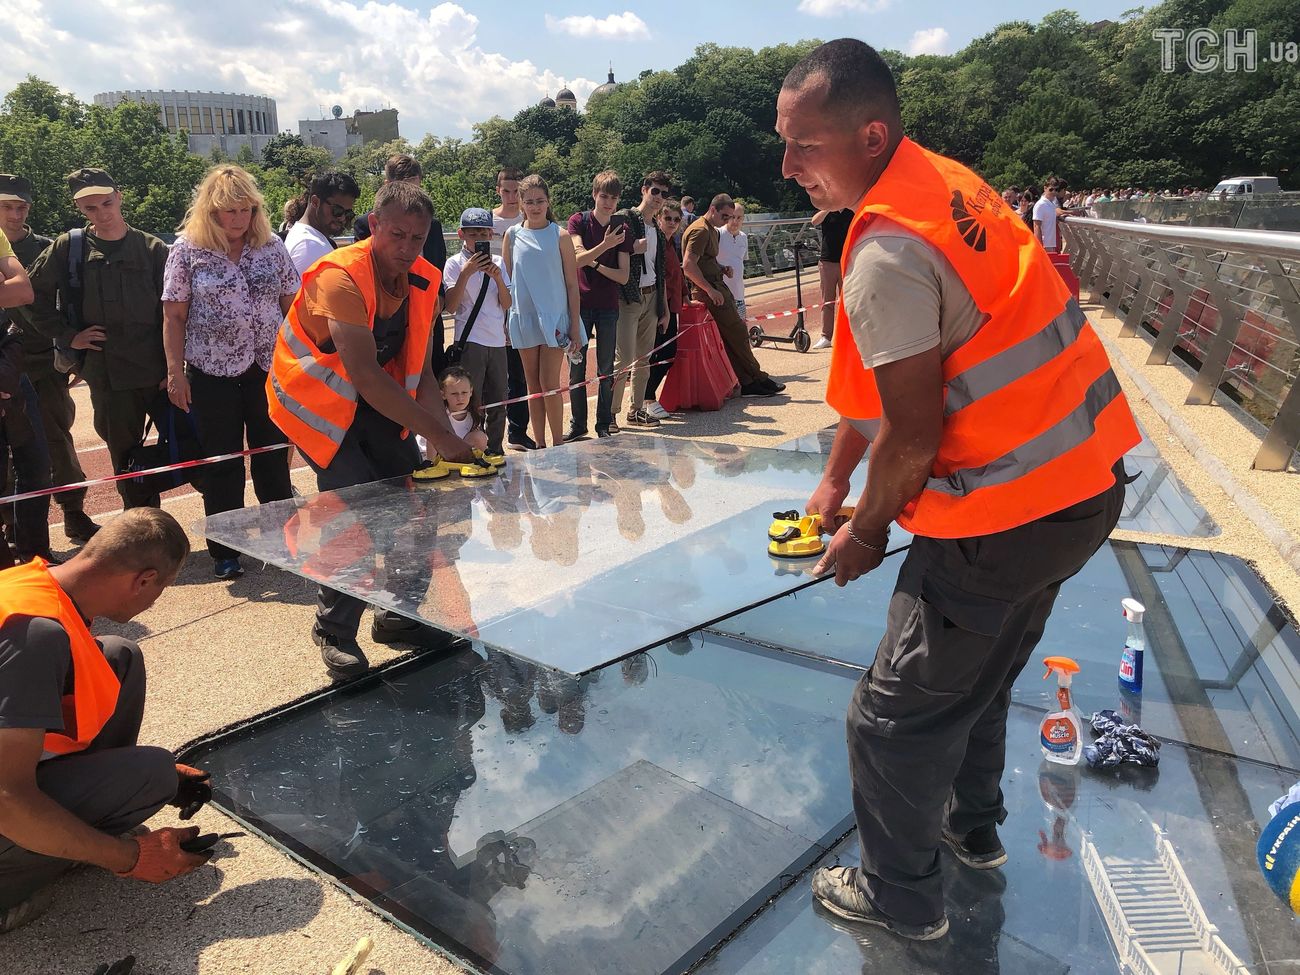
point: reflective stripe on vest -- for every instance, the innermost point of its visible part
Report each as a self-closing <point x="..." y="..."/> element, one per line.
<point x="317" y="423"/>
<point x="310" y="396"/>
<point x="29" y="590"/>
<point x="307" y="362"/>
<point x="1034" y="418"/>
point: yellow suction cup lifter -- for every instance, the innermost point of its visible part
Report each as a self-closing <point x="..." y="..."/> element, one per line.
<point x="802" y="540"/>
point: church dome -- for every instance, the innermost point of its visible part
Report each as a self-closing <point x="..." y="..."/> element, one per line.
<point x="566" y="99"/>
<point x="607" y="87"/>
<point x="547" y="102"/>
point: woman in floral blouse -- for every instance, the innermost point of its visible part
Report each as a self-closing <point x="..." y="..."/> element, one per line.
<point x="228" y="283"/>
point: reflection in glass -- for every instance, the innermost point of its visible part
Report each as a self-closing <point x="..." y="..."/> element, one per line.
<point x="571" y="558"/>
<point x="1104" y="870"/>
<point x="530" y="820"/>
<point x="1222" y="659"/>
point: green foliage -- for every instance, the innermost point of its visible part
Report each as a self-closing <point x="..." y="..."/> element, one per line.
<point x="1025" y="101"/>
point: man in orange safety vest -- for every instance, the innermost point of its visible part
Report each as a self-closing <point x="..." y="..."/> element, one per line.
<point x="351" y="379"/>
<point x="996" y="429"/>
<point x="74" y="783"/>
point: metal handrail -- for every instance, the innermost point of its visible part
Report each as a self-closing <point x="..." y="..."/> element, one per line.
<point x="1229" y="300"/>
<point x="1272" y="243"/>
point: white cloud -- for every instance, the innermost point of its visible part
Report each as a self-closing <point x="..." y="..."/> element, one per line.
<point x="840" y="8"/>
<point x="626" y="26"/>
<point x="361" y="54"/>
<point x="933" y="40"/>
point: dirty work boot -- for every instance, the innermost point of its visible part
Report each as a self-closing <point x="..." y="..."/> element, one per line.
<point x="343" y="656"/>
<point x="837" y="890"/>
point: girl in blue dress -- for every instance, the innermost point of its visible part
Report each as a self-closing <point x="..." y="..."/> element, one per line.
<point x="545" y="322"/>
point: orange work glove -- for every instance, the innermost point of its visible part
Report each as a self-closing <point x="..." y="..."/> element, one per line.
<point x="161" y="857"/>
<point x="193" y="790"/>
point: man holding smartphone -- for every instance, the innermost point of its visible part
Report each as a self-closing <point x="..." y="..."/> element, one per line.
<point x="604" y="252"/>
<point x="480" y="338"/>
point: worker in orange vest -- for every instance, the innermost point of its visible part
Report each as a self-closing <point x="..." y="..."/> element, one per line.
<point x="352" y="377"/>
<point x="996" y="430"/>
<point x="73" y="781"/>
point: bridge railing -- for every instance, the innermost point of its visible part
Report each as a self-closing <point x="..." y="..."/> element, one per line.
<point x="1277" y="211"/>
<point x="1226" y="301"/>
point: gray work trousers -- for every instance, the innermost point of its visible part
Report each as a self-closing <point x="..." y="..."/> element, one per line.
<point x="927" y="725"/>
<point x="373" y="450"/>
<point x="113" y="785"/>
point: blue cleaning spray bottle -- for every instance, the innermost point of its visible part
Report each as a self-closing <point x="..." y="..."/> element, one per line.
<point x="1130" y="663"/>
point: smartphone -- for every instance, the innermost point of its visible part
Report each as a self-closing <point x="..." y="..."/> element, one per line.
<point x="616" y="221"/>
<point x="483" y="247"/>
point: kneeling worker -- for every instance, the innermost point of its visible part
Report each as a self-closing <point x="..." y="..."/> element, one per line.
<point x="73" y="780"/>
<point x="997" y="430"/>
<point x="352" y="378"/>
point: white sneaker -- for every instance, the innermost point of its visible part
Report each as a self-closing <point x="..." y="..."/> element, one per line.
<point x="821" y="343"/>
<point x="656" y="411"/>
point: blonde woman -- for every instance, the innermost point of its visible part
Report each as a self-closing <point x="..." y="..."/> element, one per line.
<point x="228" y="283"/>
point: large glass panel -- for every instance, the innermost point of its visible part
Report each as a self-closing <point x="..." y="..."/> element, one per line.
<point x="1222" y="659"/>
<point x="1109" y="874"/>
<point x="533" y="822"/>
<point x="572" y="557"/>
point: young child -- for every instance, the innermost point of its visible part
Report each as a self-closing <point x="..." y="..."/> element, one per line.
<point x="483" y="356"/>
<point x="463" y="407"/>
<point x="466" y="418"/>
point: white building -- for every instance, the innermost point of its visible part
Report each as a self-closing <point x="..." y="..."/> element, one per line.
<point x="210" y="119"/>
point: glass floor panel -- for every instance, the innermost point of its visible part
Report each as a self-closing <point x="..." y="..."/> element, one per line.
<point x="1083" y="846"/>
<point x="529" y="822"/>
<point x="1156" y="502"/>
<point x="1222" y="660"/>
<point x="572" y="557"/>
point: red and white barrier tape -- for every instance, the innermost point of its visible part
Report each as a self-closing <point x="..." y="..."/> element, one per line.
<point x="130" y="475"/>
<point x="791" y="313"/>
<point x="201" y="461"/>
<point x="595" y="379"/>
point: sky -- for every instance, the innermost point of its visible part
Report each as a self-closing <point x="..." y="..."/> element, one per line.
<point x="444" y="66"/>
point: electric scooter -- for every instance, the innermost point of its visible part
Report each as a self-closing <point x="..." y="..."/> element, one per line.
<point x="798" y="336"/>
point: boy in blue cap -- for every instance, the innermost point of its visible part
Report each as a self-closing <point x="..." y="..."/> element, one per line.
<point x="472" y="271"/>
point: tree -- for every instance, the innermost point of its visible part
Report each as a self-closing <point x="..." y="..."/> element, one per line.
<point x="368" y="158"/>
<point x="35" y="98"/>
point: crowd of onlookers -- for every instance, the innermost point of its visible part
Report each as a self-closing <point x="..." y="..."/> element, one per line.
<point x="182" y="337"/>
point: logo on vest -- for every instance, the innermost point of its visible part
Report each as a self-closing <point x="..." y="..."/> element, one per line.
<point x="968" y="214"/>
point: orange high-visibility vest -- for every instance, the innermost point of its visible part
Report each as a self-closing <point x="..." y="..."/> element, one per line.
<point x="1034" y="418"/>
<point x="30" y="590"/>
<point x="309" y="395"/>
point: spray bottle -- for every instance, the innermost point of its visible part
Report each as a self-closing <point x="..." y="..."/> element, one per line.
<point x="1061" y="733"/>
<point x="1130" y="663"/>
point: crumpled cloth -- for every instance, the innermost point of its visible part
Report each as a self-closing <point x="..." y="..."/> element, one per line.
<point x="1290" y="799"/>
<point x="1120" y="743"/>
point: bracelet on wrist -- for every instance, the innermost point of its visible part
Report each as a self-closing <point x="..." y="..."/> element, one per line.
<point x="867" y="545"/>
